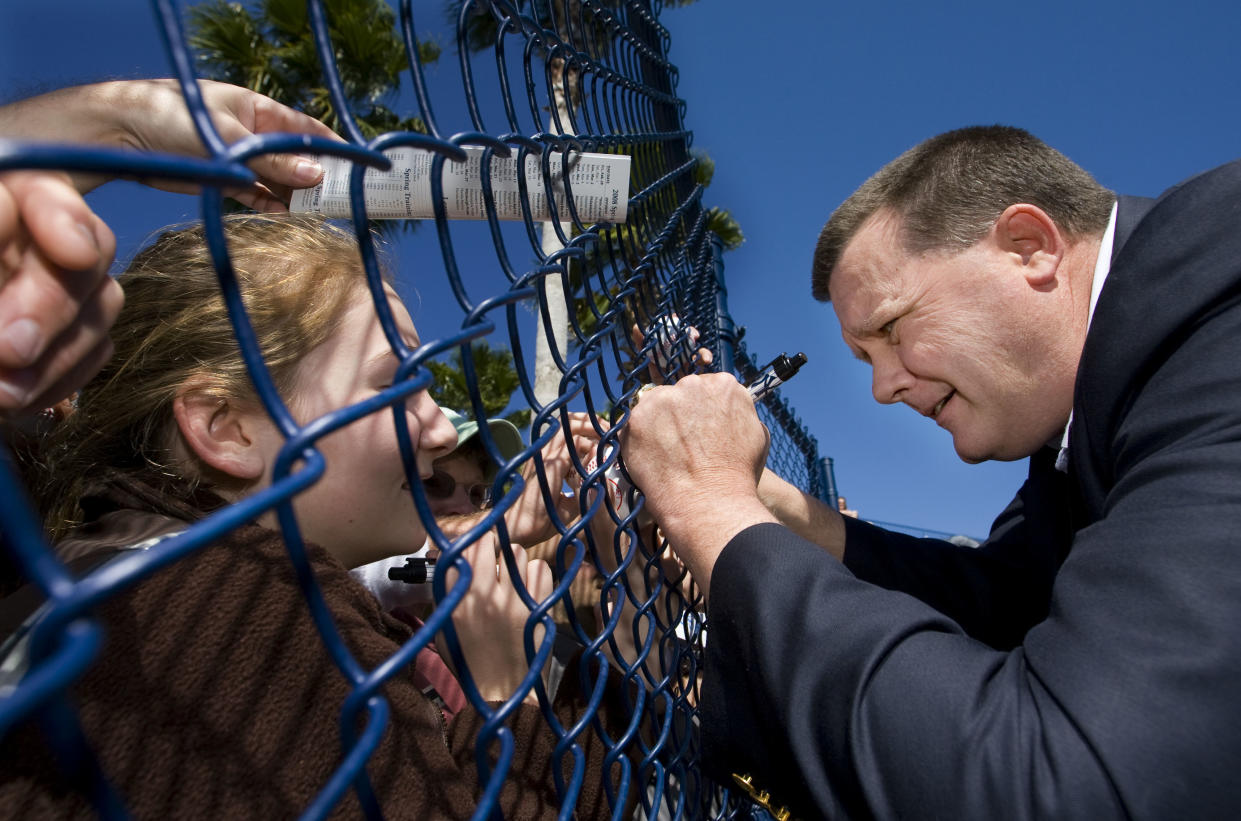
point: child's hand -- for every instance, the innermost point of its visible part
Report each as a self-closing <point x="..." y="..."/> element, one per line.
<point x="527" y="520"/>
<point x="663" y="357"/>
<point x="490" y="620"/>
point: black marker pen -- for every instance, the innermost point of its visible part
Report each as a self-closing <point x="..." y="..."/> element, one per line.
<point x="780" y="370"/>
<point x="417" y="570"/>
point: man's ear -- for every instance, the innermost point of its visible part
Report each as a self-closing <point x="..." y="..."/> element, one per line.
<point x="1030" y="234"/>
<point x="221" y="433"/>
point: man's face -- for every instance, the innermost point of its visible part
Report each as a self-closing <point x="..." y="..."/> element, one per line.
<point x="960" y="336"/>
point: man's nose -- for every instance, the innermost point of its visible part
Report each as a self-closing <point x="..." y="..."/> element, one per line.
<point x="889" y="378"/>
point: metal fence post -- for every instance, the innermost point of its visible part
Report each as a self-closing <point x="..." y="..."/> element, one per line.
<point x="827" y="481"/>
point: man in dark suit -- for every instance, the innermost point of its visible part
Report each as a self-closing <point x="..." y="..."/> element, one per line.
<point x="1086" y="660"/>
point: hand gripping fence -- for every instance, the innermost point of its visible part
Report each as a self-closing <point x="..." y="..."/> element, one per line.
<point x="662" y="262"/>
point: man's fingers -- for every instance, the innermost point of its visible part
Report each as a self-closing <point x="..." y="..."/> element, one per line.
<point x="268" y="199"/>
<point x="519" y="562"/>
<point x="239" y="113"/>
<point x="585" y="445"/>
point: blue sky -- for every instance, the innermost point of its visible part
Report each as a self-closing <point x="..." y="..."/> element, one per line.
<point x="798" y="102"/>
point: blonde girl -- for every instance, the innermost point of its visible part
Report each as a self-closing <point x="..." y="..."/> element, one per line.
<point x="213" y="695"/>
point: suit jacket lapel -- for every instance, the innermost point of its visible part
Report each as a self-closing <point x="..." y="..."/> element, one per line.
<point x="1173" y="257"/>
<point x="1129" y="212"/>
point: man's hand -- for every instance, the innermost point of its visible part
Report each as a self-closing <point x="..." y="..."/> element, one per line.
<point x="696" y="450"/>
<point x="57" y="301"/>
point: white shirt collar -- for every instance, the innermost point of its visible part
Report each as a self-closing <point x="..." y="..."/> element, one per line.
<point x="1102" y="266"/>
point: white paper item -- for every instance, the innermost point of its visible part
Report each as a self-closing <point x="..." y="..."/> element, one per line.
<point x="600" y="185"/>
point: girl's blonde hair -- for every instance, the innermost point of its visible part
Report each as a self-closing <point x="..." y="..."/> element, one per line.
<point x="296" y="275"/>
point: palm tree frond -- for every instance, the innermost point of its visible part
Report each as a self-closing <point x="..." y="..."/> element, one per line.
<point x="721" y="223"/>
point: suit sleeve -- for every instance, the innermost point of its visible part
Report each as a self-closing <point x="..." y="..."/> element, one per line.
<point x="847" y="700"/>
<point x="995" y="592"/>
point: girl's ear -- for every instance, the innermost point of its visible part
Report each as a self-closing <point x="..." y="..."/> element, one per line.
<point x="222" y="434"/>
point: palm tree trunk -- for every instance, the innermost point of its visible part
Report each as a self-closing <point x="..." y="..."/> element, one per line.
<point x="546" y="373"/>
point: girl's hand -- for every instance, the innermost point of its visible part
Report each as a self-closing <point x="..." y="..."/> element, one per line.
<point x="491" y="619"/>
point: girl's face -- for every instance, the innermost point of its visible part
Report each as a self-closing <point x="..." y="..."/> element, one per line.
<point x="361" y="509"/>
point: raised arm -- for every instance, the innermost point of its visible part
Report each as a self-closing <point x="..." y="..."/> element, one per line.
<point x="803" y="514"/>
<point x="150" y="115"/>
<point x="57" y="301"/>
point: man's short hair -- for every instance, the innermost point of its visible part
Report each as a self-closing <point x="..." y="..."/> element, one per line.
<point x="949" y="191"/>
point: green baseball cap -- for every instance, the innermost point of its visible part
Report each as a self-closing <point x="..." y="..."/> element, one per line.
<point x="507" y="437"/>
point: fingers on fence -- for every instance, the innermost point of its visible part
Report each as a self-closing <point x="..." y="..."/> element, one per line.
<point x="57" y="302"/>
<point x="491" y="619"/>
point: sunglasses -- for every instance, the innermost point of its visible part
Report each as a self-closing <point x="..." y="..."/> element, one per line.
<point x="441" y="485"/>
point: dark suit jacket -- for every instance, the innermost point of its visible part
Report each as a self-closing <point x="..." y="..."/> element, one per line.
<point x="1086" y="661"/>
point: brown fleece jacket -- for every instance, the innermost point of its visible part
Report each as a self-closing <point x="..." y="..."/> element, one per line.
<point x="214" y="698"/>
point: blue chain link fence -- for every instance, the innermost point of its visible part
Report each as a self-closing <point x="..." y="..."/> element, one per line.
<point x="662" y="262"/>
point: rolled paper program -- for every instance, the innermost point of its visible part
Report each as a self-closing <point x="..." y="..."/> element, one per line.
<point x="599" y="182"/>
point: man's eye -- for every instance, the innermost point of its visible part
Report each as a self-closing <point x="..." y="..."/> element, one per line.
<point x="888" y="328"/>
